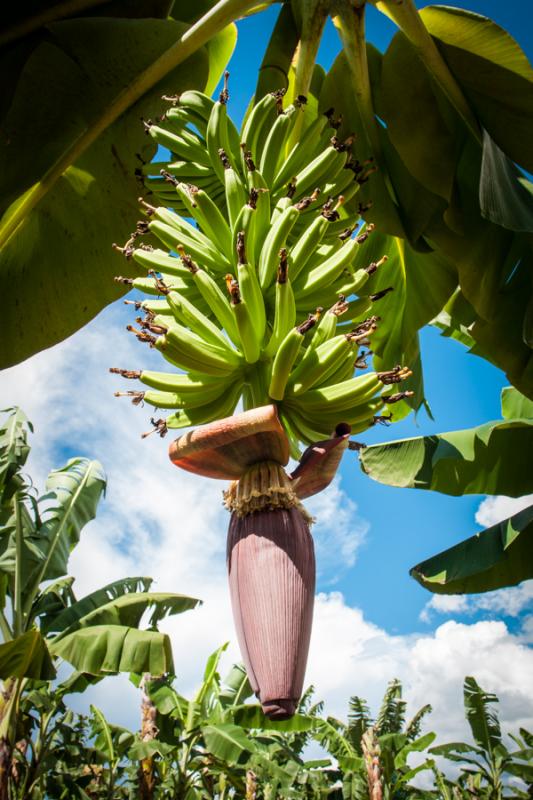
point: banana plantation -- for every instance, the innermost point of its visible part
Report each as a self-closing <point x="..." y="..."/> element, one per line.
<point x="282" y="255"/>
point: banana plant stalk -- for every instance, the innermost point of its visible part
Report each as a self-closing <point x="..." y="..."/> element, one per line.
<point x="270" y="554"/>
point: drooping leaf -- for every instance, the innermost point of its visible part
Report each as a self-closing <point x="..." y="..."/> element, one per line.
<point x="128" y="609"/>
<point x="498" y="556"/>
<point x="235" y="687"/>
<point x="54" y="623"/>
<point x="493" y="72"/>
<point x="78" y="682"/>
<point x="115" y="648"/>
<point x="494" y="268"/>
<point x="252" y="716"/>
<point x="483" y="720"/>
<point x="26" y="656"/>
<point x="494" y="458"/>
<point x="227" y="742"/>
<point x="57" y="263"/>
<point x="412" y="729"/>
<point x="141" y="750"/>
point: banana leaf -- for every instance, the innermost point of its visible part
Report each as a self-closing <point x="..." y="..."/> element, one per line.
<point x="494" y="458"/>
<point x="115" y="648"/>
<point x="227" y="742"/>
<point x="60" y="617"/>
<point x="483" y="721"/>
<point x="26" y="656"/>
<point x="493" y="72"/>
<point x="127" y="609"/>
<point x="62" y="212"/>
<point x="74" y="492"/>
<point x="498" y="556"/>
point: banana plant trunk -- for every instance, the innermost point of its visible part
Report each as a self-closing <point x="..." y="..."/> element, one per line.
<point x="270" y="553"/>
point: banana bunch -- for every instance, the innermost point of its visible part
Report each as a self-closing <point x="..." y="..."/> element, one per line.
<point x="250" y="271"/>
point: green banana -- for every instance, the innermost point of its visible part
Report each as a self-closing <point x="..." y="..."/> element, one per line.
<point x="188" y="314"/>
<point x="184" y="144"/>
<point x="285" y="358"/>
<point x="328" y="271"/>
<point x="234" y="189"/>
<point x="285" y="308"/>
<point x="218" y="409"/>
<point x="327" y="326"/>
<point x="213" y="296"/>
<point x="249" y="341"/>
<point x="274" y="148"/>
<point x="207" y="215"/>
<point x="188" y="351"/>
<point x="275" y="240"/>
<point x="257" y="125"/>
<point x="250" y="289"/>
<point x="191" y="384"/>
<point x="300" y="153"/>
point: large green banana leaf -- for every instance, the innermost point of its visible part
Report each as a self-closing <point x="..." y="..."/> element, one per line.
<point x="64" y="202"/>
<point x="499" y="556"/>
<point x="60" y="615"/>
<point x="128" y="609"/>
<point x="227" y="742"/>
<point x="47" y="537"/>
<point x="115" y="648"/>
<point x="26" y="656"/>
<point x="74" y="492"/>
<point x="441" y="187"/>
<point x="494" y="458"/>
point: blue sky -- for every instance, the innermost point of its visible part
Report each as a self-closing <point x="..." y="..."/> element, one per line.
<point x="169" y="524"/>
<point x="406" y="526"/>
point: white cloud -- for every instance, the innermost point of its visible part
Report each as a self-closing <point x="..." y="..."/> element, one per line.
<point x="338" y="531"/>
<point x="166" y="523"/>
<point x="495" y="509"/>
<point x="510" y="602"/>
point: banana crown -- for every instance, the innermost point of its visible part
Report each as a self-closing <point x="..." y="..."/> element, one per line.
<point x="253" y="252"/>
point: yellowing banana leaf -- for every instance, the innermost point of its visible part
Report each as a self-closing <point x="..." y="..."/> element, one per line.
<point x="115" y="648"/>
<point x="26" y="656"/>
<point x="56" y="259"/>
<point x="494" y="458"/>
<point x="493" y="72"/>
<point x="498" y="556"/>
